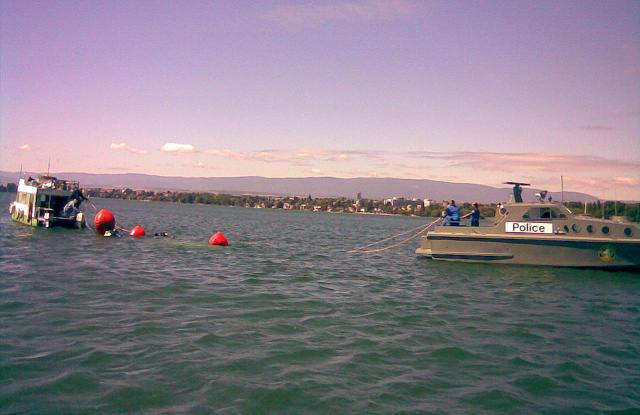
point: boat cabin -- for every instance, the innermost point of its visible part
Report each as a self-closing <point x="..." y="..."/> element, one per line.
<point x="42" y="201"/>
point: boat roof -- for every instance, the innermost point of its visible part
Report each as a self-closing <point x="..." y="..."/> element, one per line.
<point x="46" y="182"/>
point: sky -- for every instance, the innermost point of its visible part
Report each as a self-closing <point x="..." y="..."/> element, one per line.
<point x="474" y="92"/>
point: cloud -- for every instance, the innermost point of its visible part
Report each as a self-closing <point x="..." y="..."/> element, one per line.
<point x="596" y="128"/>
<point x="526" y="162"/>
<point x="24" y="147"/>
<point x="626" y="181"/>
<point x="178" y="148"/>
<point x="226" y="153"/>
<point x="316" y="171"/>
<point x="311" y="15"/>
<point x="297" y="157"/>
<point x="126" y="147"/>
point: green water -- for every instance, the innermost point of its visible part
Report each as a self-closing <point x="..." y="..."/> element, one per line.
<point x="284" y="321"/>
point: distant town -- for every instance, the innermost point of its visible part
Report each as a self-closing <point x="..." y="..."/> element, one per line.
<point x="359" y="204"/>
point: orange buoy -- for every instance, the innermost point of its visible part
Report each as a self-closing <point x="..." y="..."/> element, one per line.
<point x="137" y="232"/>
<point x="104" y="221"/>
<point x="218" y="239"/>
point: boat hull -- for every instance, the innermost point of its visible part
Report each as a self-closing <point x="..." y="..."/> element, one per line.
<point x="532" y="250"/>
<point x="21" y="214"/>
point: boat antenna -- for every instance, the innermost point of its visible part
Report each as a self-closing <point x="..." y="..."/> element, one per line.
<point x="20" y="176"/>
<point x="562" y="188"/>
<point x="48" y="166"/>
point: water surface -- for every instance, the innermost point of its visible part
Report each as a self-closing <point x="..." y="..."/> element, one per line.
<point x="285" y="321"/>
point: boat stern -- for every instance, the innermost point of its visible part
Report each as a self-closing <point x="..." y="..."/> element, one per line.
<point x="424" y="250"/>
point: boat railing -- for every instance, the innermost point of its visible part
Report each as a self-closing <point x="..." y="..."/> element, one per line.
<point x="69" y="185"/>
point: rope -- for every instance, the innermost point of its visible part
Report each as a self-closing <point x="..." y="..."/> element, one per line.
<point x="420" y="230"/>
<point x="391" y="237"/>
<point x="120" y="228"/>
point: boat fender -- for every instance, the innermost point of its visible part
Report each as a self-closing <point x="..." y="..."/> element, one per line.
<point x="137" y="232"/>
<point x="218" y="239"/>
<point x="12" y="209"/>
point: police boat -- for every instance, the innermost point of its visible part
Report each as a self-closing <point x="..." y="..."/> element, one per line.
<point x="538" y="233"/>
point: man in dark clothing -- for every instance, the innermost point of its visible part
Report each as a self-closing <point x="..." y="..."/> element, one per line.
<point x="475" y="215"/>
<point x="517" y="193"/>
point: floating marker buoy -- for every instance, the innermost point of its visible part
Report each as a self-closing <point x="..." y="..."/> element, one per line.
<point x="218" y="239"/>
<point x="137" y="232"/>
<point x="104" y="222"/>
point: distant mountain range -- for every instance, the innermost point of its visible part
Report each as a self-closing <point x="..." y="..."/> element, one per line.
<point x="372" y="188"/>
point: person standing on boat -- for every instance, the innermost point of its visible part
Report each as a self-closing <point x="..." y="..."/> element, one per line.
<point x="451" y="214"/>
<point x="69" y="210"/>
<point x="517" y="193"/>
<point x="79" y="197"/>
<point x="475" y="215"/>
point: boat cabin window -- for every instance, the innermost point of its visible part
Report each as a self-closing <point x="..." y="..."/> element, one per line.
<point x="543" y="213"/>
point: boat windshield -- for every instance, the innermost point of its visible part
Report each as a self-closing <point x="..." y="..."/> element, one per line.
<point x="543" y="213"/>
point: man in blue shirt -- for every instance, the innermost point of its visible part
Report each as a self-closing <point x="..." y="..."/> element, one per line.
<point x="451" y="214"/>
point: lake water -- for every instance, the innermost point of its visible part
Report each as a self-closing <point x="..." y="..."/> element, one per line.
<point x="285" y="321"/>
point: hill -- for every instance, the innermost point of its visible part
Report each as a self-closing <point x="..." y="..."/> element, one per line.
<point x="372" y="188"/>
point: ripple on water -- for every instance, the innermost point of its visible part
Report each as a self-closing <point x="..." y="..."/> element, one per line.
<point x="452" y="354"/>
<point x="536" y="384"/>
<point x="494" y="400"/>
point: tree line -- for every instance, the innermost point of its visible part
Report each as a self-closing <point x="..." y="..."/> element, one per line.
<point x="597" y="209"/>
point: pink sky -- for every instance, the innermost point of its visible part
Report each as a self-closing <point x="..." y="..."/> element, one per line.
<point x="476" y="92"/>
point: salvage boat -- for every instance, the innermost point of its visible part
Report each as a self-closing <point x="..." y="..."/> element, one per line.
<point x="538" y="233"/>
<point x="48" y="201"/>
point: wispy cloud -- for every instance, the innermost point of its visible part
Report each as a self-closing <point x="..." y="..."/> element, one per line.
<point x="127" y="147"/>
<point x="597" y="127"/>
<point x="626" y="181"/>
<point x="178" y="148"/>
<point x="226" y="153"/>
<point x="525" y="162"/>
<point x="298" y="157"/>
<point x="581" y="172"/>
<point x="311" y="15"/>
<point x="602" y="185"/>
<point x="24" y="147"/>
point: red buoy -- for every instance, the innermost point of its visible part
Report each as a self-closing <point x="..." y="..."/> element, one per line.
<point x="104" y="221"/>
<point x="137" y="232"/>
<point x="218" y="239"/>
